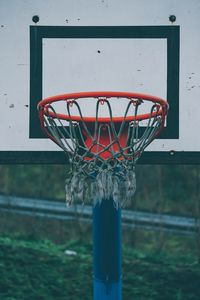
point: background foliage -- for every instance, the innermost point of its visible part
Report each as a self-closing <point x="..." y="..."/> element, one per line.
<point x="156" y="264"/>
<point x="173" y="189"/>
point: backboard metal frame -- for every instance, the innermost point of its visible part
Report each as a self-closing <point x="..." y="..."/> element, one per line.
<point x="152" y="48"/>
<point x="38" y="33"/>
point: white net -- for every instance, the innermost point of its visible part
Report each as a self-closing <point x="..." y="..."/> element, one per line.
<point x="103" y="147"/>
<point x="119" y="186"/>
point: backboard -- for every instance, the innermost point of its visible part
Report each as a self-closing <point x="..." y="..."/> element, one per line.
<point x="77" y="46"/>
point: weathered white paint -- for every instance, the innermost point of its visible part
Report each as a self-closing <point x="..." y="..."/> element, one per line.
<point x="111" y="69"/>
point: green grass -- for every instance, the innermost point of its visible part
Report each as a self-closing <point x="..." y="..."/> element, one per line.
<point x="39" y="269"/>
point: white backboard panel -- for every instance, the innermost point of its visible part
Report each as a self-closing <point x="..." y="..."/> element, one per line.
<point x="104" y="64"/>
<point x="96" y="45"/>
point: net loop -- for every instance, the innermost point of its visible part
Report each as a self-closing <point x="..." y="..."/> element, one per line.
<point x="137" y="102"/>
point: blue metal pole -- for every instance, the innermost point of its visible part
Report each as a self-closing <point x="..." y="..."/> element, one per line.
<point x="107" y="251"/>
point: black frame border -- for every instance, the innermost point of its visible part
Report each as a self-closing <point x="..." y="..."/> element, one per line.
<point x="60" y="158"/>
<point x="171" y="33"/>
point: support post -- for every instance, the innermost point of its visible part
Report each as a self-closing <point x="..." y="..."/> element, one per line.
<point x="107" y="251"/>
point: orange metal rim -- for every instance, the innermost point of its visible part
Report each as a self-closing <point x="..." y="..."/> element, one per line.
<point x="43" y="105"/>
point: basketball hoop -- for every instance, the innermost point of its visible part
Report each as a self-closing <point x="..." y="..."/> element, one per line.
<point x="103" y="143"/>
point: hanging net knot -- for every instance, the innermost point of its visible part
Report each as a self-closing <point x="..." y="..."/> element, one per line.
<point x="137" y="102"/>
